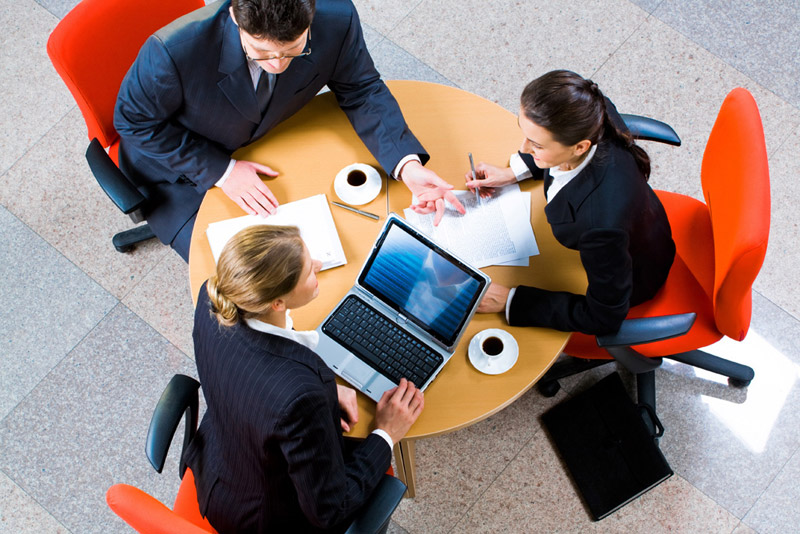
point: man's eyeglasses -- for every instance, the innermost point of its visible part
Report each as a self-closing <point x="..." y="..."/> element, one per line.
<point x="306" y="51"/>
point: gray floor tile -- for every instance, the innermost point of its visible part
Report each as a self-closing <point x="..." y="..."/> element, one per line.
<point x="52" y="190"/>
<point x="776" y="511"/>
<point x="489" y="48"/>
<point x="83" y="428"/>
<point x="59" y="8"/>
<point x="372" y="37"/>
<point x="777" y="280"/>
<point x="728" y="442"/>
<point x="758" y="38"/>
<point x="662" y="74"/>
<point x="49" y="306"/>
<point x="164" y="301"/>
<point x="394" y="63"/>
<point x="647" y="5"/>
<point x="19" y="513"/>
<point x="742" y="528"/>
<point x="454" y="469"/>
<point x="33" y="98"/>
<point x="384" y="15"/>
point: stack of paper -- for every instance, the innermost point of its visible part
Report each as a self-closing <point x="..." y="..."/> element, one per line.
<point x="311" y="215"/>
<point x="494" y="231"/>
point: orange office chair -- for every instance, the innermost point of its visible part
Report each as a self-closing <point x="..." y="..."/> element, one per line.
<point x="149" y="516"/>
<point x="92" y="49"/>
<point x="143" y="512"/>
<point x="720" y="249"/>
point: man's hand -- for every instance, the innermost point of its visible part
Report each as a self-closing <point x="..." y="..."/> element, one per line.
<point x="246" y="188"/>
<point x="431" y="191"/>
<point x="494" y="300"/>
<point x="398" y="409"/>
<point x="490" y="176"/>
<point x="349" y="405"/>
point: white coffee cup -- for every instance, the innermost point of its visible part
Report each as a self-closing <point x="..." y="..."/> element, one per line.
<point x="493" y="351"/>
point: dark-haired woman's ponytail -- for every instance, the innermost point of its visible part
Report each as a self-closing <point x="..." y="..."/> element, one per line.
<point x="624" y="138"/>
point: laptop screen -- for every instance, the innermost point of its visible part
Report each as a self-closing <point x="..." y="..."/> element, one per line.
<point x="422" y="281"/>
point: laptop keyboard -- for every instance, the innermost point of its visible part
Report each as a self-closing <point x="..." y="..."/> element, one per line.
<point x="380" y="343"/>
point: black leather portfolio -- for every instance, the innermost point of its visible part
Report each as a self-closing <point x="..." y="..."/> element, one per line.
<point x="606" y="445"/>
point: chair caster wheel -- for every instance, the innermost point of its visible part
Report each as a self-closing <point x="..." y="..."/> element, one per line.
<point x="549" y="388"/>
<point x="735" y="382"/>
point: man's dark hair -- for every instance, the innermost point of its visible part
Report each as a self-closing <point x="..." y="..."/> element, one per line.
<point x="282" y="21"/>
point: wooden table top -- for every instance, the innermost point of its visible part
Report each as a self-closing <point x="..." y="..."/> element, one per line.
<point x="312" y="146"/>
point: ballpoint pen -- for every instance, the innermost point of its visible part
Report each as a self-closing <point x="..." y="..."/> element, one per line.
<point x="474" y="177"/>
<point x="354" y="210"/>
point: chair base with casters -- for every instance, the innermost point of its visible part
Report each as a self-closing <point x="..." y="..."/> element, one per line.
<point x="147" y="515"/>
<point x="640" y="331"/>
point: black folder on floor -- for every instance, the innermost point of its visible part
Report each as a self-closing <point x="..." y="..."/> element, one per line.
<point x="602" y="438"/>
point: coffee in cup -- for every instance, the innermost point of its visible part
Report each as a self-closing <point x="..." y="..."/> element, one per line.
<point x="492" y="346"/>
<point x="356" y="178"/>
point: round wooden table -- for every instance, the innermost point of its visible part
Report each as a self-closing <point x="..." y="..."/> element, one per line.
<point x="312" y="146"/>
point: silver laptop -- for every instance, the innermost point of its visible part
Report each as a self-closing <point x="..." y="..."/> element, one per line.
<point x="405" y="314"/>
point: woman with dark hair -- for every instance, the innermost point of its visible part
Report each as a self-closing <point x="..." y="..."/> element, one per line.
<point x="269" y="454"/>
<point x="598" y="203"/>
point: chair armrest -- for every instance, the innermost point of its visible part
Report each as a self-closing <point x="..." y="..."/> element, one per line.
<point x="179" y="397"/>
<point x="116" y="185"/>
<point x="648" y="330"/>
<point x="375" y="515"/>
<point x="648" y="129"/>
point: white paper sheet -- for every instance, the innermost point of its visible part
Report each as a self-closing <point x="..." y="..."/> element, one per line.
<point x="494" y="230"/>
<point x="311" y="215"/>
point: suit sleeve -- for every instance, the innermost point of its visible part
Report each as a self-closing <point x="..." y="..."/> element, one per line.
<point x="607" y="262"/>
<point x="369" y="105"/>
<point x="329" y="487"/>
<point x="151" y="93"/>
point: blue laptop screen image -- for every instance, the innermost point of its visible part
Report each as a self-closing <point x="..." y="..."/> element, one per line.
<point x="423" y="282"/>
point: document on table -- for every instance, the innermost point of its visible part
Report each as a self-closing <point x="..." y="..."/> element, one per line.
<point x="311" y="215"/>
<point x="494" y="231"/>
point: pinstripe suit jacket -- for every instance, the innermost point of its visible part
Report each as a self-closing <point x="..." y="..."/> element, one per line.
<point x="268" y="456"/>
<point x="188" y="103"/>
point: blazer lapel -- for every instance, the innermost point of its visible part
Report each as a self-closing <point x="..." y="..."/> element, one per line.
<point x="237" y="84"/>
<point x="563" y="207"/>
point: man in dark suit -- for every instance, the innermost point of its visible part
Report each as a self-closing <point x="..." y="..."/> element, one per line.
<point x="223" y="76"/>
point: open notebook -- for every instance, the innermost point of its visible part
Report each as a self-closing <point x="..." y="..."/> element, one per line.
<point x="311" y="215"/>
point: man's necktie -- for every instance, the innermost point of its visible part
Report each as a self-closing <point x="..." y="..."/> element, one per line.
<point x="266" y="83"/>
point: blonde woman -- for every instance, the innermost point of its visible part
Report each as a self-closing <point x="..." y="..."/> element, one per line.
<point x="269" y="455"/>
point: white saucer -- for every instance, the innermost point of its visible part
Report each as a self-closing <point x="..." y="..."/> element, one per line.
<point x="362" y="194"/>
<point x="500" y="364"/>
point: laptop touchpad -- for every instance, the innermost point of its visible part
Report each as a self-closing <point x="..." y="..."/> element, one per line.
<point x="358" y="373"/>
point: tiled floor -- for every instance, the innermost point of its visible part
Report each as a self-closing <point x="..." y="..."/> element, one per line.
<point x="88" y="337"/>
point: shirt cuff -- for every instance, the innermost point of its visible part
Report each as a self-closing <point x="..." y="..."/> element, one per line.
<point x="521" y="171"/>
<point x="508" y="303"/>
<point x="399" y="167"/>
<point x="385" y="436"/>
<point x="227" y="173"/>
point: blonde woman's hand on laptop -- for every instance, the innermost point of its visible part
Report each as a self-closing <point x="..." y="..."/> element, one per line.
<point x="398" y="408"/>
<point x="349" y="406"/>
